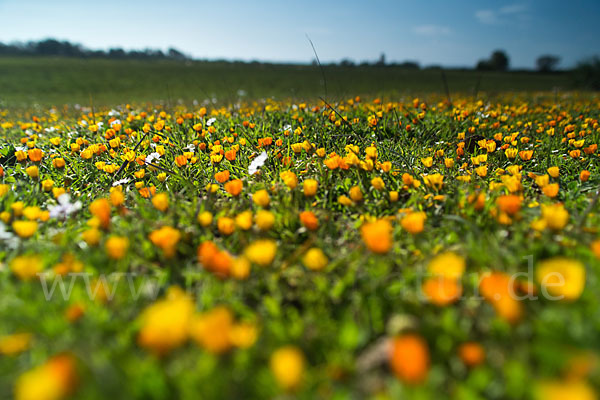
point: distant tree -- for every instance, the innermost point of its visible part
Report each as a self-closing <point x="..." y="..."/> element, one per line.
<point x="176" y="54"/>
<point x="547" y="62"/>
<point x="587" y="73"/>
<point x="116" y="53"/>
<point x="381" y="61"/>
<point x="409" y="65"/>
<point x="346" y="62"/>
<point x="498" y="61"/>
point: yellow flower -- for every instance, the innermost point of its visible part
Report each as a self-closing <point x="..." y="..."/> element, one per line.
<point x="435" y="181"/>
<point x="287" y="365"/>
<point x="449" y="162"/>
<point x="555" y="215"/>
<point x="32" y="212"/>
<point x="160" y="201"/>
<point x="226" y="225"/>
<point x="117" y="197"/>
<point x="33" y="171"/>
<point x="310" y="187"/>
<point x="17" y="208"/>
<point x="561" y="277"/>
<point x="448" y="265"/>
<point x="166" y="238"/>
<point x="261" y="252"/>
<point x="25" y="229"/>
<point x="289" y="178"/>
<point x="315" y="259"/>
<point x="356" y="194"/>
<point x="240" y="268"/>
<point x="53" y="380"/>
<point x="482" y="171"/>
<point x="345" y="201"/>
<point x="4" y="188"/>
<point x="378" y="183"/>
<point x="393" y="195"/>
<point x="264" y="220"/>
<point x="261" y="198"/>
<point x="165" y="324"/>
<point x="47" y="185"/>
<point x="116" y="247"/>
<point x="205" y="218"/>
<point x="553" y="172"/>
<point x="11" y="345"/>
<point x="511" y="153"/>
<point x="91" y="236"/>
<point x="243" y="335"/>
<point x="26" y="267"/>
<point x="428" y="161"/>
<point x="244" y="220"/>
<point x="414" y="222"/>
<point x="576" y="389"/>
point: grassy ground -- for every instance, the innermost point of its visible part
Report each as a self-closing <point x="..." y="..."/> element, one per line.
<point x="418" y="251"/>
<point x="47" y="81"/>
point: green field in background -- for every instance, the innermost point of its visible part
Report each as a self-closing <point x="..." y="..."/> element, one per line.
<point x="35" y="80"/>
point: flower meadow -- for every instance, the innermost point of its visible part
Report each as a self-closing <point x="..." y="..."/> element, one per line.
<point x="363" y="248"/>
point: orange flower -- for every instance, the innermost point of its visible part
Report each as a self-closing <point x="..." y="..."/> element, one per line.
<point x="166" y="238"/>
<point x="212" y="330"/>
<point x="181" y="161"/>
<point x="213" y="259"/>
<point x="584" y="175"/>
<point x="35" y="155"/>
<point x="509" y="204"/>
<point x="551" y="190"/>
<point x="161" y="201"/>
<point x="309" y="220"/>
<point x="55" y="379"/>
<point x="442" y="291"/>
<point x="595" y="246"/>
<point x="116" y="247"/>
<point x="100" y="208"/>
<point x="222" y="176"/>
<point x="409" y="358"/>
<point x="526" y="155"/>
<point x="499" y="290"/>
<point x="230" y="155"/>
<point x="414" y="222"/>
<point x="234" y="187"/>
<point x="377" y="235"/>
<point x="471" y="353"/>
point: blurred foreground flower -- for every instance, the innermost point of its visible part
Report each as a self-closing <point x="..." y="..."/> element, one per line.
<point x="287" y="365"/>
<point x="53" y="380"/>
<point x="409" y="358"/>
<point x="563" y="278"/>
<point x="377" y="235"/>
<point x="165" y="324"/>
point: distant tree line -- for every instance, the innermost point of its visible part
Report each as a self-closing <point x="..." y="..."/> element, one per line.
<point x="53" y="47"/>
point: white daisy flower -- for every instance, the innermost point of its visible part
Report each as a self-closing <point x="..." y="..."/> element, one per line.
<point x="257" y="163"/>
<point x="151" y="157"/>
<point x="64" y="208"/>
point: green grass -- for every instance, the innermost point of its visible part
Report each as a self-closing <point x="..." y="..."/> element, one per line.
<point x="48" y="81"/>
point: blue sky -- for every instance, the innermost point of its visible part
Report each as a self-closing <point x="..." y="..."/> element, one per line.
<point x="450" y="33"/>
